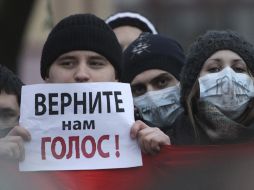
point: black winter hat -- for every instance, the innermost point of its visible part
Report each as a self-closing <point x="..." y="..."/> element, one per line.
<point x="151" y="51"/>
<point x="81" y="32"/>
<point x="204" y="47"/>
<point x="131" y="19"/>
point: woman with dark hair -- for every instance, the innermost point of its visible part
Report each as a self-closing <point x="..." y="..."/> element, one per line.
<point x="217" y="91"/>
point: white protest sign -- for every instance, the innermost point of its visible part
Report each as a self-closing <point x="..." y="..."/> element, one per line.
<point x="78" y="126"/>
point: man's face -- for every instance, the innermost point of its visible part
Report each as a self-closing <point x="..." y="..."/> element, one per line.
<point x="81" y="66"/>
<point x="151" y="80"/>
<point x="9" y="112"/>
<point x="126" y="35"/>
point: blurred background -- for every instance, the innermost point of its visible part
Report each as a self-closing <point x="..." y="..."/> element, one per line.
<point x="25" y="24"/>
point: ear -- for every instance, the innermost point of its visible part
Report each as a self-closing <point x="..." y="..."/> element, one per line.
<point x="46" y="79"/>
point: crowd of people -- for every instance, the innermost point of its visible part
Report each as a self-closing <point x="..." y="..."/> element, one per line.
<point x="203" y="97"/>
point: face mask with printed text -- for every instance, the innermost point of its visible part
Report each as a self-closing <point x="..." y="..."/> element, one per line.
<point x="227" y="90"/>
<point x="160" y="108"/>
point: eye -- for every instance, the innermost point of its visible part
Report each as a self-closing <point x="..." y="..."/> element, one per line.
<point x="67" y="63"/>
<point x="97" y="63"/>
<point x="162" y="82"/>
<point x="240" y="69"/>
<point x="214" y="69"/>
<point x="212" y="65"/>
<point x="138" y="90"/>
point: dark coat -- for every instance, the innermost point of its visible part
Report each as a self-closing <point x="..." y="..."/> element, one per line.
<point x="182" y="133"/>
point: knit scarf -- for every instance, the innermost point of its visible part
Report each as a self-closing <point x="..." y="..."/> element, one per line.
<point x="220" y="129"/>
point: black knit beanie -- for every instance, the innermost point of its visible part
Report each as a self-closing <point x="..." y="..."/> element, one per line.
<point x="204" y="47"/>
<point x="152" y="51"/>
<point x="81" y="32"/>
<point x="131" y="19"/>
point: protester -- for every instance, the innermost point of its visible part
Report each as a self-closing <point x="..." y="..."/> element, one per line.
<point x="10" y="92"/>
<point x="128" y="26"/>
<point x="152" y="65"/>
<point x="83" y="48"/>
<point x="217" y="91"/>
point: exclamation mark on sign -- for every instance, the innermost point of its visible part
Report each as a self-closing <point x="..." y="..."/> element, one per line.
<point x="117" y="145"/>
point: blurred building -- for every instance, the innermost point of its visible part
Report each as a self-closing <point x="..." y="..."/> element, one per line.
<point x="183" y="20"/>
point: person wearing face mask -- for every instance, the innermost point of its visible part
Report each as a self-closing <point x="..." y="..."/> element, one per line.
<point x="217" y="91"/>
<point x="152" y="64"/>
<point x="10" y="92"/>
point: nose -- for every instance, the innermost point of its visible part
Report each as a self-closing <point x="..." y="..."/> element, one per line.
<point x="149" y="88"/>
<point x="82" y="73"/>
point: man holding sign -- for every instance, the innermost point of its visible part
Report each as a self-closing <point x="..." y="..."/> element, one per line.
<point x="82" y="48"/>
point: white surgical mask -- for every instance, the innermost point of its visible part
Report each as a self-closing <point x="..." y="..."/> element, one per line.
<point x="160" y="108"/>
<point x="228" y="90"/>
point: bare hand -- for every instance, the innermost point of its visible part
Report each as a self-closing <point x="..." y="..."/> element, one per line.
<point x="150" y="138"/>
<point x="12" y="146"/>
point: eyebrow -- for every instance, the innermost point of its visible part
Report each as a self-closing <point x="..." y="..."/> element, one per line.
<point x="65" y="57"/>
<point x="218" y="59"/>
<point x="154" y="79"/>
<point x="237" y="60"/>
<point x="214" y="59"/>
<point x="161" y="75"/>
<point x="136" y="85"/>
<point x="98" y="57"/>
<point x="209" y="62"/>
<point x="74" y="57"/>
